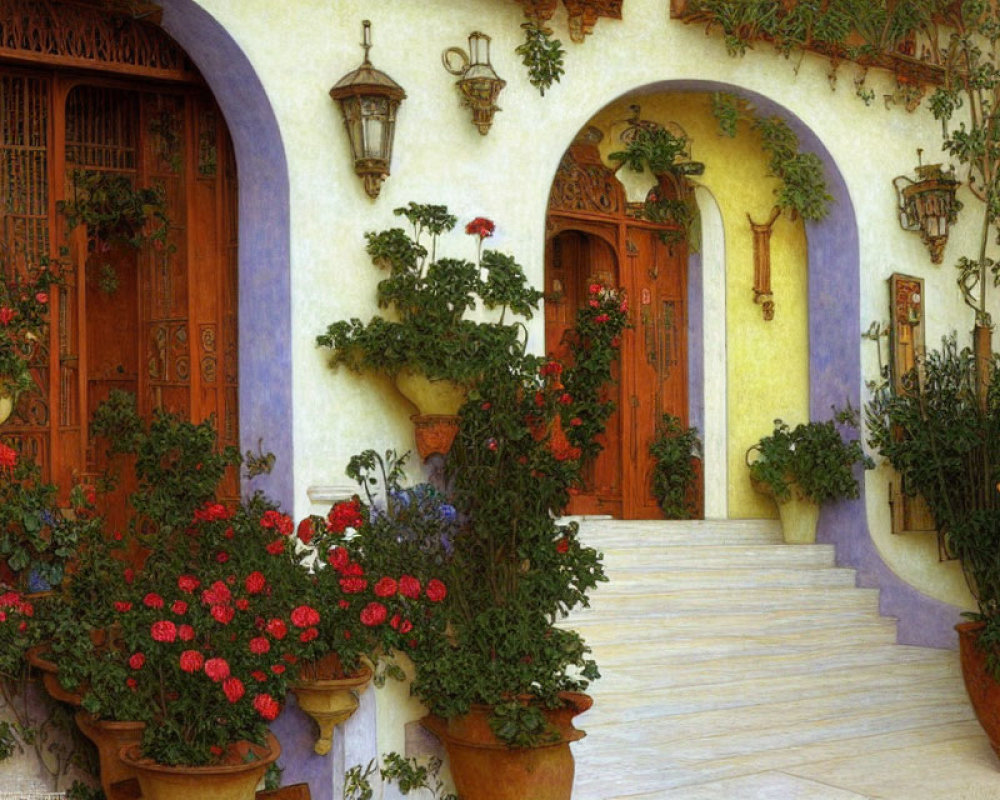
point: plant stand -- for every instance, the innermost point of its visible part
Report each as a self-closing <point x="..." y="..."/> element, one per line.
<point x="330" y="702"/>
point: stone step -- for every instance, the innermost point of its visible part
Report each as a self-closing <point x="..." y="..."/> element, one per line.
<point x="609" y="597"/>
<point x="719" y="556"/>
<point x="655" y="576"/>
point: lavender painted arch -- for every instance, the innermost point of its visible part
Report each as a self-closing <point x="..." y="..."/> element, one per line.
<point x="835" y="373"/>
<point x="265" y="354"/>
<point x="265" y="361"/>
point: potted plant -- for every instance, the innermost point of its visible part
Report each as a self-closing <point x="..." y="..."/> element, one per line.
<point x="371" y="607"/>
<point x="936" y="432"/>
<point x="804" y="467"/>
<point x="431" y="348"/>
<point x="676" y="453"/>
<point x="24" y="306"/>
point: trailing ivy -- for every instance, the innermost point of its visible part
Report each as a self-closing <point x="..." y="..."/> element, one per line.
<point x="542" y="55"/>
<point x="803" y="183"/>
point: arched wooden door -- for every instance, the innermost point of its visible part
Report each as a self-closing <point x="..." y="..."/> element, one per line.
<point x="593" y="236"/>
<point x="156" y="321"/>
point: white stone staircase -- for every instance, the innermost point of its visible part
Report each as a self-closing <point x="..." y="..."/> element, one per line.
<point x="736" y="667"/>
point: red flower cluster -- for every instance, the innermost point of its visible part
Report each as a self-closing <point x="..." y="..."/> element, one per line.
<point x="344" y="515"/>
<point x="282" y="523"/>
<point x="480" y="227"/>
<point x="212" y="511"/>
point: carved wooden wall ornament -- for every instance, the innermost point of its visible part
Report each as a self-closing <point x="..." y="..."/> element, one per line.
<point x="583" y="182"/>
<point x="583" y="14"/>
<point x="906" y="342"/>
<point x="762" y="294"/>
<point x="96" y="35"/>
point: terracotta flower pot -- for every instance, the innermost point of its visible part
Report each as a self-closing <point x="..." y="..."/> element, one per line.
<point x="486" y="769"/>
<point x="235" y="779"/>
<point x="37" y="656"/>
<point x="330" y="701"/>
<point x="983" y="690"/>
<point x="110" y="737"/>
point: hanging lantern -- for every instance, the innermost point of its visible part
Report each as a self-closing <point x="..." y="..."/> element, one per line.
<point x="928" y="205"/>
<point x="369" y="100"/>
<point x="478" y="81"/>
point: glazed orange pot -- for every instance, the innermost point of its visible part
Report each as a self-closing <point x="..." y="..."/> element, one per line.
<point x="486" y="769"/>
<point x="983" y="690"/>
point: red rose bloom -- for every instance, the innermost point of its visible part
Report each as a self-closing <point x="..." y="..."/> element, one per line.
<point x="188" y="583"/>
<point x="277" y="628"/>
<point x="136" y="660"/>
<point x="277" y="669"/>
<point x="409" y="586"/>
<point x="233" y="689"/>
<point x="405" y="626"/>
<point x="373" y="614"/>
<point x="394" y="622"/>
<point x="121" y="606"/>
<point x="344" y="515"/>
<point x="223" y="614"/>
<point x="179" y="607"/>
<point x="266" y="706"/>
<point x="185" y="633"/>
<point x="259" y="645"/>
<point x="218" y="593"/>
<point x="304" y="616"/>
<point x="222" y="556"/>
<point x="305" y="530"/>
<point x="217" y="669"/>
<point x="258" y="676"/>
<point x="436" y="591"/>
<point x="562" y="546"/>
<point x="8" y="457"/>
<point x="163" y="631"/>
<point x="386" y="587"/>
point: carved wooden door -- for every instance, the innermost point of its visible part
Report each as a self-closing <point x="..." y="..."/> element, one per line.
<point x="157" y="321"/>
<point x="595" y="237"/>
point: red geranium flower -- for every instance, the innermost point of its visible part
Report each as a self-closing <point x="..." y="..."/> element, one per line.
<point x="179" y="607"/>
<point x="191" y="660"/>
<point x="217" y="669"/>
<point x="339" y="558"/>
<point x="436" y="591"/>
<point x="233" y="689"/>
<point x="8" y="457"/>
<point x="562" y="546"/>
<point x="308" y="635"/>
<point x="304" y="616"/>
<point x="409" y="586"/>
<point x="386" y="587"/>
<point x="188" y="583"/>
<point x="480" y="227"/>
<point x="266" y="706"/>
<point x="136" y="660"/>
<point x="185" y="633"/>
<point x="275" y="548"/>
<point x="223" y="614"/>
<point x="163" y="631"/>
<point x="373" y="614"/>
<point x="353" y="585"/>
<point x="255" y="582"/>
<point x="305" y="530"/>
<point x="259" y="645"/>
<point x="122" y="606"/>
<point x="277" y="628"/>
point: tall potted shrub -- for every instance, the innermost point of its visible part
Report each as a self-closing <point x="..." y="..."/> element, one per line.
<point x="944" y="441"/>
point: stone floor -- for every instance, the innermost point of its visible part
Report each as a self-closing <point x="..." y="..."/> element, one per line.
<point x="738" y="668"/>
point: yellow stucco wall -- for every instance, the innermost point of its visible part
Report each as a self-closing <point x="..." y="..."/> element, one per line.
<point x="737" y="176"/>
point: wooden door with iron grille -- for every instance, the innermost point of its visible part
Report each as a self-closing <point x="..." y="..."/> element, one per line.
<point x="159" y="321"/>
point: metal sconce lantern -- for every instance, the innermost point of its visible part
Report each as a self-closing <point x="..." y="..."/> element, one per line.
<point x="928" y="205"/>
<point x="478" y="82"/>
<point x="369" y="100"/>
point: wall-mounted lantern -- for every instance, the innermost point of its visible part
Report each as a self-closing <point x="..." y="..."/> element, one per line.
<point x="368" y="100"/>
<point x="478" y="81"/>
<point x="928" y="205"/>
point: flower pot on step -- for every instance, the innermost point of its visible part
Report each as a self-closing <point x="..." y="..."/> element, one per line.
<point x="110" y="737"/>
<point x="485" y="768"/>
<point x="983" y="690"/>
<point x="234" y="779"/>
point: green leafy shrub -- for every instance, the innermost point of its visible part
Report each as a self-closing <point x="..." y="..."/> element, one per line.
<point x="674" y="449"/>
<point x="811" y="457"/>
